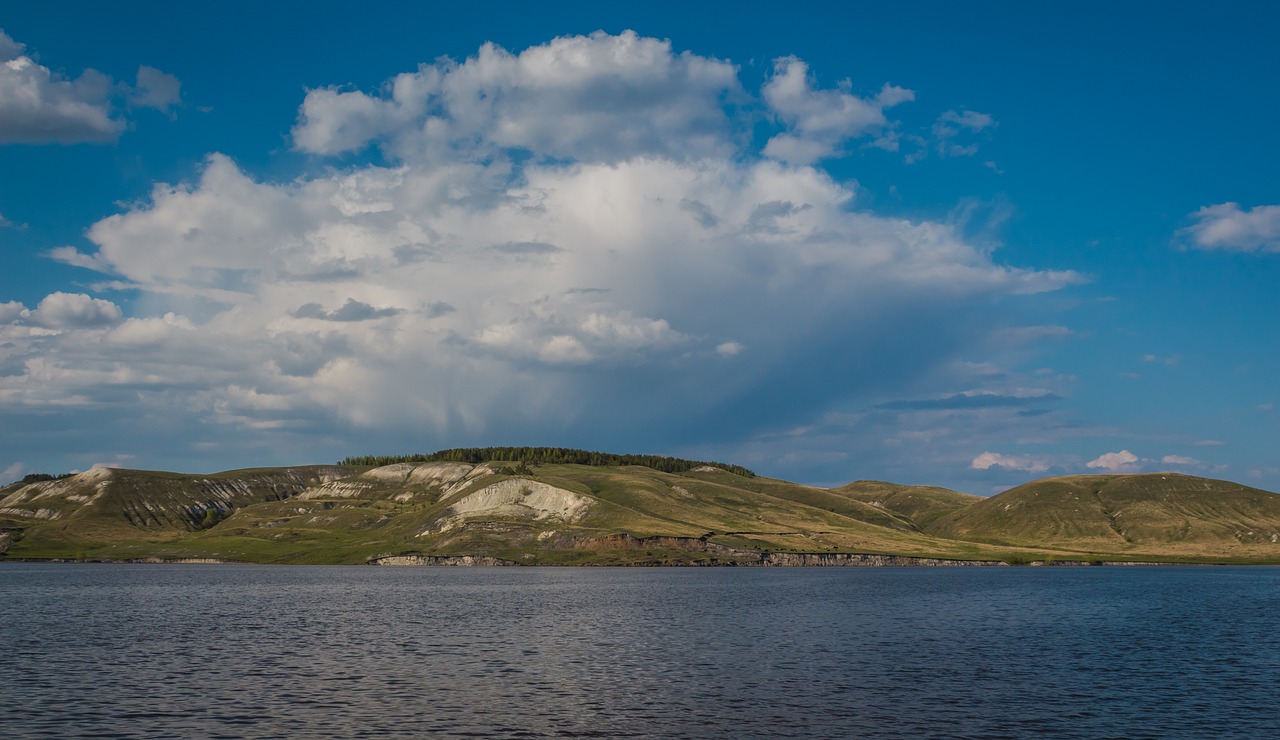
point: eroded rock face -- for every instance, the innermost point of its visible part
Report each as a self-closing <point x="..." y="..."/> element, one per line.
<point x="514" y="498"/>
<point x="809" y="559"/>
<point x="396" y="473"/>
<point x="726" y="555"/>
<point x="31" y="513"/>
<point x="455" y="560"/>
<point x="77" y="488"/>
<point x="625" y="541"/>
<point x="442" y="473"/>
<point x="336" y="489"/>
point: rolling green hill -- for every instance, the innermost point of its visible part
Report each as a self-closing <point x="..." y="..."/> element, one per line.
<point x="517" y="512"/>
<point x="921" y="505"/>
<point x="1158" y="513"/>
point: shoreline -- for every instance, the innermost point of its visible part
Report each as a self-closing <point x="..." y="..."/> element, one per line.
<point x="766" y="560"/>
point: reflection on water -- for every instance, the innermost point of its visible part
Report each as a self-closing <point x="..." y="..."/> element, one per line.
<point x="273" y="651"/>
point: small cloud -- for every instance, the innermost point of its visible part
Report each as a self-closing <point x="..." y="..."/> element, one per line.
<point x="564" y="350"/>
<point x="700" y="212"/>
<point x="1179" y="460"/>
<point x="76" y="258"/>
<point x="1171" y="360"/>
<point x="953" y="124"/>
<point x="1020" y="335"/>
<point x="1208" y="443"/>
<point x="729" y="349"/>
<point x="310" y="311"/>
<point x="1123" y="461"/>
<point x="38" y="105"/>
<point x="155" y="89"/>
<point x="968" y="119"/>
<point x="820" y="121"/>
<point x="12" y="311"/>
<point x="1226" y="226"/>
<point x="352" y="310"/>
<point x="75" y="311"/>
<point x="11" y="473"/>
<point x="1027" y="464"/>
<point x="436" y="309"/>
<point x="1266" y="407"/>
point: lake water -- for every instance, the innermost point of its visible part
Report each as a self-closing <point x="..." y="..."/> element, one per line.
<point x="276" y="651"/>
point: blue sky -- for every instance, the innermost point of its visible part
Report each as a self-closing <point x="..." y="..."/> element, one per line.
<point x="961" y="245"/>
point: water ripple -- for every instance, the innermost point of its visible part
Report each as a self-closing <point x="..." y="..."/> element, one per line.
<point x="229" y="651"/>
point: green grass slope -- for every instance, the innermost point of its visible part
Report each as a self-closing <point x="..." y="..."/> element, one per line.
<point x="106" y="506"/>
<point x="919" y="505"/>
<point x="550" y="514"/>
<point x="1163" y="515"/>
<point x="599" y="514"/>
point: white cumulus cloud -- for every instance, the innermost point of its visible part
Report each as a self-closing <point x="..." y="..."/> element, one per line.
<point x="11" y="311"/>
<point x="75" y="310"/>
<point x="1228" y="226"/>
<point x="594" y="98"/>
<point x="819" y="122"/>
<point x="1123" y="461"/>
<point x="454" y="292"/>
<point x="38" y="105"/>
<point x="1024" y="463"/>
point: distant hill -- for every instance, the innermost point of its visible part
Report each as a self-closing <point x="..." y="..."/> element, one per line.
<point x="523" y="511"/>
<point x="107" y="504"/>
<point x="1165" y="513"/>
<point x="546" y="456"/>
<point x="921" y="505"/>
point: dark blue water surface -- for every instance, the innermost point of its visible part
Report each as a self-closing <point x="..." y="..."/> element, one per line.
<point x="274" y="651"/>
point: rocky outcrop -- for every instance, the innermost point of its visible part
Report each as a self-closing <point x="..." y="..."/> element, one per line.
<point x="625" y="541"/>
<point x="455" y="560"/>
<point x="726" y="555"/>
<point x="31" y="513"/>
<point x="175" y="561"/>
<point x="807" y="559"/>
<point x="517" y="499"/>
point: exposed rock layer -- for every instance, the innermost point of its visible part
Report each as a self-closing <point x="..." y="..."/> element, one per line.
<point x="457" y="560"/>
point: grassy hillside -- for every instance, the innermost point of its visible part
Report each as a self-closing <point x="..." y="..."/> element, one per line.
<point x="600" y="514"/>
<point x="1158" y="513"/>
<point x="108" y="506"/>
<point x="920" y="505"/>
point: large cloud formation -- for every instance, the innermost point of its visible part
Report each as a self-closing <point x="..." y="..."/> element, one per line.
<point x="573" y="242"/>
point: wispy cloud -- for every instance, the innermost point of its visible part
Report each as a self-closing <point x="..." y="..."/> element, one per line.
<point x="972" y="400"/>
